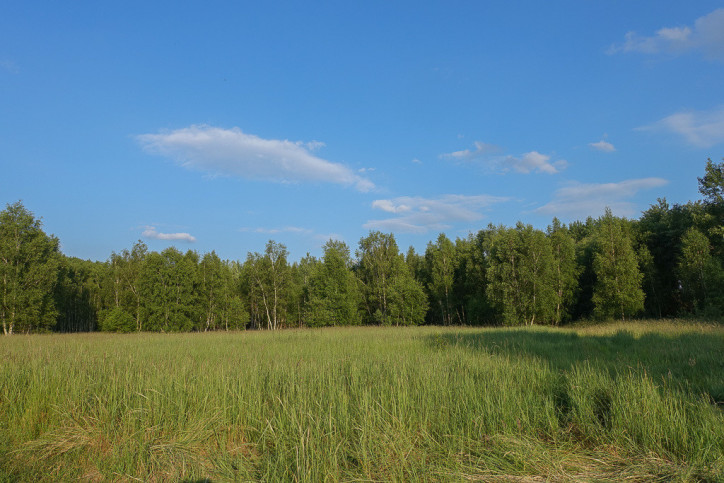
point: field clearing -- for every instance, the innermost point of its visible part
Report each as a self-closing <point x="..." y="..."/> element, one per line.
<point x="639" y="401"/>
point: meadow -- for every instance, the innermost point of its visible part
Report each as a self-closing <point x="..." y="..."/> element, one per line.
<point x="640" y="401"/>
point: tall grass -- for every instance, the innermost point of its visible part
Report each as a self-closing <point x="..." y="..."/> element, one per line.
<point x="600" y="403"/>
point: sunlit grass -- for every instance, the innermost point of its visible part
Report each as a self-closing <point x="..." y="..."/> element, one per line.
<point x="635" y="400"/>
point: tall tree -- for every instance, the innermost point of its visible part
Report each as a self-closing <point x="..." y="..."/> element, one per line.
<point x="78" y="294"/>
<point x="565" y="269"/>
<point x="617" y="291"/>
<point x="168" y="288"/>
<point x="123" y="279"/>
<point x="701" y="274"/>
<point x="211" y="274"/>
<point x="520" y="275"/>
<point x="392" y="296"/>
<point x="131" y="275"/>
<point x="661" y="228"/>
<point x="441" y="261"/>
<point x="471" y="279"/>
<point x="300" y="304"/>
<point x="233" y="314"/>
<point x="334" y="295"/>
<point x="28" y="272"/>
<point x="377" y="254"/>
<point x="269" y="277"/>
<point x="711" y="186"/>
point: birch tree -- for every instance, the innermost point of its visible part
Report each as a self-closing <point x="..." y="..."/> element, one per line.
<point x="28" y="272"/>
<point x="617" y="290"/>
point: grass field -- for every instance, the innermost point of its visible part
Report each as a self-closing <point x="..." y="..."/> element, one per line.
<point x="633" y="401"/>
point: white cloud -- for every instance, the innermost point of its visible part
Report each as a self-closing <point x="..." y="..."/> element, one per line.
<point x="231" y="152"/>
<point x="526" y="163"/>
<point x="706" y="36"/>
<point x="481" y="149"/>
<point x="420" y="215"/>
<point x="150" y="232"/>
<point x="579" y="200"/>
<point x="533" y="161"/>
<point x="390" y="206"/>
<point x="603" y="145"/>
<point x="702" y="129"/>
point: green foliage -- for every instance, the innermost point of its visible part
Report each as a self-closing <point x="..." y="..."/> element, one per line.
<point x="701" y="274"/>
<point x="617" y="292"/>
<point x="661" y="228"/>
<point x="167" y="289"/>
<point x="441" y="261"/>
<point x="565" y="269"/>
<point x="520" y="275"/>
<point x="28" y="272"/>
<point x="117" y="320"/>
<point x="391" y="294"/>
<point x="78" y="295"/>
<point x="668" y="263"/>
<point x="474" y="306"/>
<point x="268" y="278"/>
<point x="711" y="186"/>
<point x="334" y="295"/>
<point x="123" y="281"/>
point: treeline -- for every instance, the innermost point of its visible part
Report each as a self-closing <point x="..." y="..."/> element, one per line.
<point x="667" y="263"/>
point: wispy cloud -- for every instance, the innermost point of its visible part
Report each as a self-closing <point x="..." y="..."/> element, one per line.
<point x="526" y="163"/>
<point x="603" y="145"/>
<point x="705" y="36"/>
<point x="579" y="200"/>
<point x="276" y="231"/>
<point x="150" y="232"/>
<point x="419" y="215"/>
<point x="9" y="66"/>
<point x="293" y="230"/>
<point x="231" y="152"/>
<point x="701" y="129"/>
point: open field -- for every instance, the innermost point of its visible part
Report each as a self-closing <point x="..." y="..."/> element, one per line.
<point x="620" y="401"/>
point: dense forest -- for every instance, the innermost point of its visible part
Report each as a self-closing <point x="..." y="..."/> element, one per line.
<point x="668" y="263"/>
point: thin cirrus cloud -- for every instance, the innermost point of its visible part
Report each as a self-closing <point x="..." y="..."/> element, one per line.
<point x="531" y="162"/>
<point x="701" y="129"/>
<point x="415" y="214"/>
<point x="580" y="200"/>
<point x="275" y="231"/>
<point x="705" y="36"/>
<point x="150" y="232"/>
<point x="9" y="66"/>
<point x="231" y="152"/>
<point x="293" y="231"/>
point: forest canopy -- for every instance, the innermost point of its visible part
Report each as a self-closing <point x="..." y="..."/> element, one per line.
<point x="667" y="263"/>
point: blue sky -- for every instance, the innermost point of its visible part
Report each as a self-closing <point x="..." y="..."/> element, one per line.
<point x="220" y="125"/>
